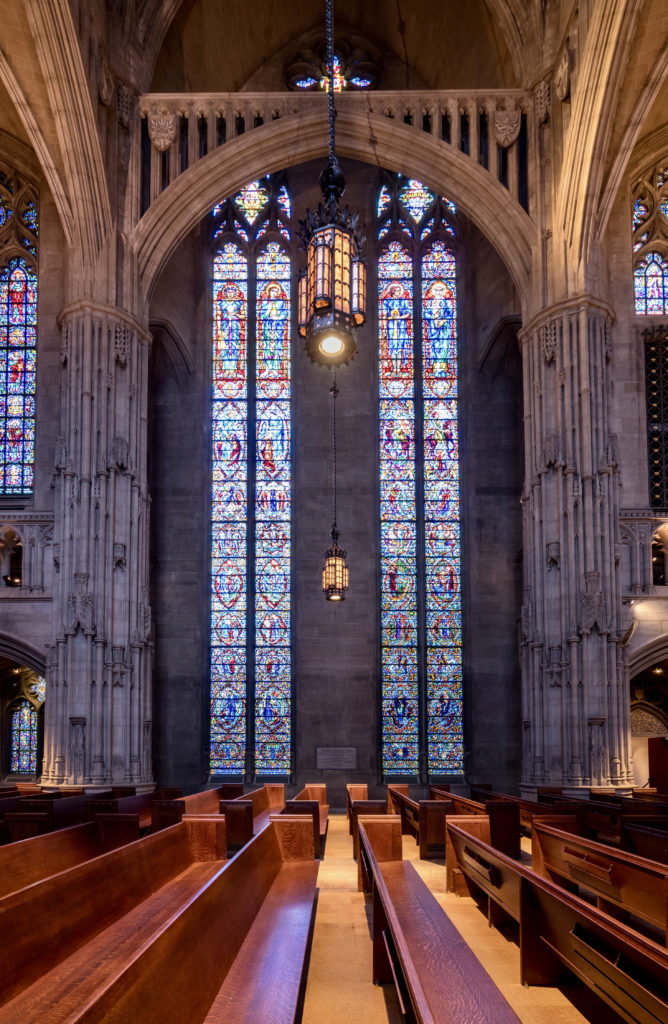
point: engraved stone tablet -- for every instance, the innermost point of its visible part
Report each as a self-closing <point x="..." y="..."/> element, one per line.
<point x="336" y="757"/>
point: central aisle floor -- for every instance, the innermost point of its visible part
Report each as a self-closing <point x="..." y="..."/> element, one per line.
<point x="339" y="987"/>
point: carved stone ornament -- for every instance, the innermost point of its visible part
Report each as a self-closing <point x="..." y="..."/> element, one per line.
<point x="548" y="341"/>
<point x="80" y="606"/>
<point x="124" y="104"/>
<point x="543" y="100"/>
<point x="562" y="74"/>
<point x="507" y="126"/>
<point x="119" y="556"/>
<point x="527" y="615"/>
<point x="162" y="129"/>
<point x="105" y="80"/>
<point x="121" y="343"/>
<point x="553" y="554"/>
<point x="553" y="670"/>
<point x="118" y="453"/>
<point x="551" y="450"/>
<point x="593" y="611"/>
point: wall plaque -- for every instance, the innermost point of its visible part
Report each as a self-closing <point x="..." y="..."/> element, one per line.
<point x="336" y="757"/>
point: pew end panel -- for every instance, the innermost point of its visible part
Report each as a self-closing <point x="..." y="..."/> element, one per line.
<point x="207" y="835"/>
<point x="239" y="821"/>
<point x="432" y="817"/>
<point x="383" y="836"/>
<point x="477" y="825"/>
<point x="489" y="871"/>
<point x="117" y="829"/>
<point x="294" y="834"/>
<point x="354" y="791"/>
<point x="363" y="807"/>
<point x="312" y="809"/>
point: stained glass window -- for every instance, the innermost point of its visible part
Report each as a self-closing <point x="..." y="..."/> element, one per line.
<point x="23" y="738"/>
<point x="650" y="242"/>
<point x="18" y="335"/>
<point x="419" y="498"/>
<point x="251" y="200"/>
<point x="251" y="674"/>
<point x="416" y="198"/>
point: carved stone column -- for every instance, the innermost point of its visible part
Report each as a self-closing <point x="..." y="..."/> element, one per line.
<point x="574" y="677"/>
<point x="97" y="727"/>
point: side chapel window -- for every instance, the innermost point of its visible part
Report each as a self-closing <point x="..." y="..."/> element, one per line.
<point x="18" y="333"/>
<point x="421" y="652"/>
<point x="251" y="499"/>
<point x="24" y="726"/>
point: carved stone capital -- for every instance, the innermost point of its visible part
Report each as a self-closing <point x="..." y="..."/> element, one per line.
<point x="162" y="129"/>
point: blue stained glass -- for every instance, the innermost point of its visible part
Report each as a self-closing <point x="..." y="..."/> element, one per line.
<point x="18" y="316"/>
<point x="306" y="82"/>
<point x="384" y="200"/>
<point x="5" y="212"/>
<point x="640" y="212"/>
<point x="24" y="738"/>
<point x="438" y="455"/>
<point x="360" y="83"/>
<point x="651" y="285"/>
<point x="268" y="617"/>
<point x="38" y="687"/>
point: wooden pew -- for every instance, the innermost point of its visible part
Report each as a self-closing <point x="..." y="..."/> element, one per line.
<point x="317" y="791"/>
<point x="354" y="791"/>
<point x="42" y="813"/>
<point x="559" y="931"/>
<point x="423" y="819"/>
<point x="141" y="805"/>
<point x="31" y="860"/>
<point x="167" y="811"/>
<point x="622" y="883"/>
<point x="415" y="944"/>
<point x="245" y="928"/>
<point x="644" y="841"/>
<point x="248" y="814"/>
<point x="366" y="807"/>
<point x="527" y="808"/>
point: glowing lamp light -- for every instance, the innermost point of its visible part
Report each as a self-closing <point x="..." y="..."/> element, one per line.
<point x="335" y="572"/>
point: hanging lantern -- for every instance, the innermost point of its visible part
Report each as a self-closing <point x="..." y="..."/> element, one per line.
<point x="332" y="292"/>
<point x="335" y="573"/>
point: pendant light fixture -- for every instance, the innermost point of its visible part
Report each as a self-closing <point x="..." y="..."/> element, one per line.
<point x="332" y="292"/>
<point x="335" y="572"/>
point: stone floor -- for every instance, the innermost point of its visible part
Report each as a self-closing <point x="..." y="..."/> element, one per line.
<point x="339" y="986"/>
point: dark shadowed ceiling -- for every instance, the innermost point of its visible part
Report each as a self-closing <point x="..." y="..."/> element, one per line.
<point x="227" y="45"/>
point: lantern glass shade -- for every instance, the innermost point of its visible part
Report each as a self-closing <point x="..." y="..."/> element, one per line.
<point x="335" y="574"/>
<point x="331" y="294"/>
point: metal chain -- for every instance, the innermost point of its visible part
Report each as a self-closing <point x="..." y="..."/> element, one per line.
<point x="334" y="392"/>
<point x="330" y="75"/>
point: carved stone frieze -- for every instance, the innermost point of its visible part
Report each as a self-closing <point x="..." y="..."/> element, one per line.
<point x="507" y="126"/>
<point x="162" y="129"/>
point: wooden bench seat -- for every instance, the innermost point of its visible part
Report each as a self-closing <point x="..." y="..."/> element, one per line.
<point x="354" y="791"/>
<point x="317" y="791"/>
<point x="415" y="945"/>
<point x="42" y="813"/>
<point x="256" y="907"/>
<point x="141" y="804"/>
<point x="423" y="819"/>
<point x="363" y="807"/>
<point x="560" y="933"/>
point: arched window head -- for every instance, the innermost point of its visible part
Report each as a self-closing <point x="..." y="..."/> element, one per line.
<point x="650" y="241"/>
<point x="23" y="737"/>
<point x="18" y="326"/>
<point x="421" y="659"/>
<point x="251" y="661"/>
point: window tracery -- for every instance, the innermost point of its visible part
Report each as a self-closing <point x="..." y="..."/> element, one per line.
<point x="650" y="241"/>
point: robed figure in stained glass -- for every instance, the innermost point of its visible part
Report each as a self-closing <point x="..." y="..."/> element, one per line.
<point x="396" y="338"/>
<point x="230" y="328"/>
<point x="273" y="334"/>
<point x="439" y="320"/>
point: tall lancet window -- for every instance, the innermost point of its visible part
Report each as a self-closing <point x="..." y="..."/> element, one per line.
<point x="421" y="652"/>
<point x="18" y="333"/>
<point x="251" y="503"/>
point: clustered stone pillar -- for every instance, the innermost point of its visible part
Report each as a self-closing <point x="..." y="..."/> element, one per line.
<point x="98" y="727"/>
<point x="575" y="685"/>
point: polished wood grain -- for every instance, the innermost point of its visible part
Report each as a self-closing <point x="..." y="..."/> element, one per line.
<point x="434" y="967"/>
<point x="622" y="882"/>
<point x="295" y="836"/>
<point x="358" y="807"/>
<point x="384" y="835"/>
<point x="207" y="836"/>
<point x="30" y="861"/>
<point x="355" y="791"/>
<point x="312" y="809"/>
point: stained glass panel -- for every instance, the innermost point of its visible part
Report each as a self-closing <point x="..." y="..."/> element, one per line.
<point x="251" y="200"/>
<point x="24" y="738"/>
<point x="38" y="687"/>
<point x="229" y="512"/>
<point x="398" y="513"/>
<point x="441" y="516"/>
<point x="416" y="198"/>
<point x="651" y="285"/>
<point x="338" y="76"/>
<point x="18" y="318"/>
<point x="273" y="517"/>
